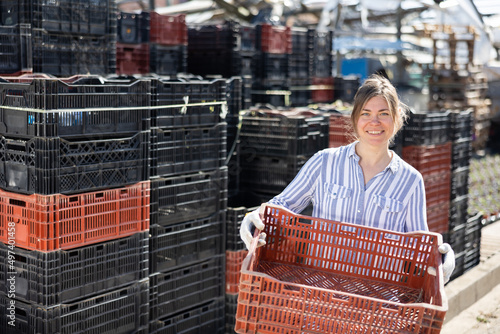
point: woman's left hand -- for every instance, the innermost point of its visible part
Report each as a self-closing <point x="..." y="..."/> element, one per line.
<point x="448" y="260"/>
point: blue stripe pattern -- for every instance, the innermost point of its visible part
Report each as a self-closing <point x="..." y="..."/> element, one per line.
<point x="333" y="181"/>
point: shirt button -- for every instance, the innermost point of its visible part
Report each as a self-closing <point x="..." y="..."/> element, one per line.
<point x="359" y="210"/>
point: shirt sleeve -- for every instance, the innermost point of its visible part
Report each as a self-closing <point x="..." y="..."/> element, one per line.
<point x="298" y="194"/>
<point x="416" y="218"/>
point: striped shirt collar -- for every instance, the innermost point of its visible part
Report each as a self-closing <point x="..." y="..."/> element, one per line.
<point x="393" y="165"/>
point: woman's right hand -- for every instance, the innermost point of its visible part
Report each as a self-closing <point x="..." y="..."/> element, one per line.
<point x="252" y="221"/>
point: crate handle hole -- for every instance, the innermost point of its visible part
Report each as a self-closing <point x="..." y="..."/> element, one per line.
<point x="17" y="202"/>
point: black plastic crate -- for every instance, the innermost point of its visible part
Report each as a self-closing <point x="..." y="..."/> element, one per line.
<point x="183" y="288"/>
<point x="461" y="153"/>
<point x="187" y="150"/>
<point x="473" y="231"/>
<point x="64" y="55"/>
<point x="277" y="95"/>
<point x="78" y="106"/>
<point x="271" y="67"/>
<point x="167" y="59"/>
<point x="323" y="42"/>
<point x="188" y="196"/>
<point x="458" y="211"/>
<point x="133" y="28"/>
<point x="456" y="238"/>
<point x="96" y="17"/>
<point x="461" y="125"/>
<point x="214" y="36"/>
<point x="123" y="310"/>
<point x="459" y="182"/>
<point x="282" y="135"/>
<point x="62" y="276"/>
<point x="203" y="319"/>
<point x="302" y="40"/>
<point x="177" y="93"/>
<point x="56" y="165"/>
<point x="181" y="244"/>
<point x="300" y="89"/>
<point x="10" y="49"/>
<point x="299" y="67"/>
<point x="231" y="307"/>
<point x="234" y="95"/>
<point x="268" y="174"/>
<point x="427" y="129"/>
<point x="238" y="206"/>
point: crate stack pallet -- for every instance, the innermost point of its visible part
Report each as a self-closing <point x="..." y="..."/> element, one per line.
<point x="271" y="81"/>
<point x="61" y="39"/>
<point x="427" y="147"/>
<point x="464" y="233"/>
<point x="276" y="143"/>
<point x="168" y="40"/>
<point x="132" y="44"/>
<point x="75" y="203"/>
<point x="188" y="202"/>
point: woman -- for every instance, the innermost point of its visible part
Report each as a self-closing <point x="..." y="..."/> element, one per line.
<point x="364" y="182"/>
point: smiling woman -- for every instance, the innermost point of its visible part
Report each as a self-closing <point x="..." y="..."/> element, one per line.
<point x="362" y="183"/>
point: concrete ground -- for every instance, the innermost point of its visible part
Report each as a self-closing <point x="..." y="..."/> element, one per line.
<point x="474" y="297"/>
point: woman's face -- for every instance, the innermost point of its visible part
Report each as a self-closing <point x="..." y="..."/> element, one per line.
<point x="375" y="124"/>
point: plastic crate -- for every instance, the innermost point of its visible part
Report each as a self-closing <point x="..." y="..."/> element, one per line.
<point x="234" y="259"/>
<point x="473" y="229"/>
<point x="461" y="125"/>
<point x="268" y="174"/>
<point x="284" y="134"/>
<point x="300" y="92"/>
<point x="270" y="68"/>
<point x="322" y="65"/>
<point x="133" y="28"/>
<point x="459" y="211"/>
<point x="427" y="129"/>
<point x="231" y="306"/>
<point x="210" y="95"/>
<point x="52" y="222"/>
<point x="273" y="39"/>
<point x="132" y="58"/>
<point x="220" y="62"/>
<point x="322" y="89"/>
<point x="437" y="219"/>
<point x="54" y="165"/>
<point x="233" y="223"/>
<point x="461" y="153"/>
<point x="181" y="289"/>
<point x="168" y="29"/>
<point x="223" y="36"/>
<point x="78" y="106"/>
<point x="274" y="94"/>
<point x="63" y="55"/>
<point x="437" y="187"/>
<point x="460" y="182"/>
<point x="186" y="243"/>
<point x="123" y="310"/>
<point x="188" y="196"/>
<point x="206" y="318"/>
<point x="10" y="49"/>
<point x="187" y="150"/>
<point x="167" y="59"/>
<point x="302" y="40"/>
<point x="63" y="276"/>
<point x="340" y="131"/>
<point x="317" y="276"/>
<point x="429" y="159"/>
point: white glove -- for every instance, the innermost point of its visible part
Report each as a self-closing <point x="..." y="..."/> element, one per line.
<point x="448" y="260"/>
<point x="250" y="222"/>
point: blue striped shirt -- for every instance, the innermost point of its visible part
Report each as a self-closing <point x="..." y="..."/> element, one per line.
<point x="333" y="181"/>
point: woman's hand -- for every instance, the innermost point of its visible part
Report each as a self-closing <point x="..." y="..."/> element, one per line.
<point x="252" y="221"/>
<point x="448" y="261"/>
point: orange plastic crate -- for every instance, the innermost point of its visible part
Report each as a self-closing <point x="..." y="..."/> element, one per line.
<point x="52" y="222"/>
<point x="320" y="276"/>
<point x="234" y="259"/>
<point x="340" y="130"/>
<point x="428" y="158"/>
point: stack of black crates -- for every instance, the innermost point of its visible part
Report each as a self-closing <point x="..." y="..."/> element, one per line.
<point x="58" y="38"/>
<point x="188" y="203"/>
<point x="75" y="200"/>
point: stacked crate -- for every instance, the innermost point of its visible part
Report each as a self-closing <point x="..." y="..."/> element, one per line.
<point x="188" y="203"/>
<point x="59" y="38"/>
<point x="132" y="46"/>
<point x="275" y="144"/>
<point x="322" y="74"/>
<point x="300" y="66"/>
<point x="168" y="40"/>
<point x="75" y="195"/>
<point x="271" y="82"/>
<point x="427" y="147"/>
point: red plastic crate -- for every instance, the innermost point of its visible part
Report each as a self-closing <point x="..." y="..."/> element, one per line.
<point x="437" y="217"/>
<point x="340" y="131"/>
<point x="168" y="29"/>
<point x="132" y="58"/>
<point x="428" y="158"/>
<point x="321" y="276"/>
<point x="437" y="187"/>
<point x="274" y="39"/>
<point x="322" y="90"/>
<point x="234" y="259"/>
<point x="52" y="222"/>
